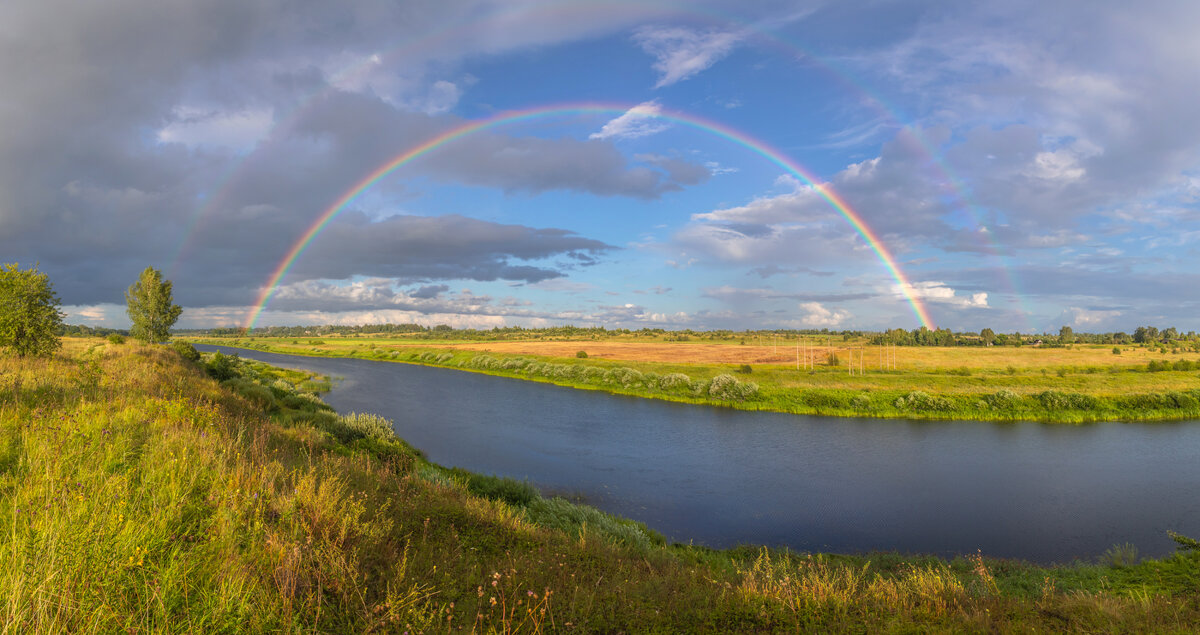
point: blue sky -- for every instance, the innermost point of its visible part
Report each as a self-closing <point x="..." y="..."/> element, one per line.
<point x="1029" y="165"/>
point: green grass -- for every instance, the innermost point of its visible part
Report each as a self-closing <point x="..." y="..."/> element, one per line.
<point x="1052" y="393"/>
<point x="139" y="495"/>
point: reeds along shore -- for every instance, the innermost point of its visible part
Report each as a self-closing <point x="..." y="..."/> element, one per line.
<point x="138" y="494"/>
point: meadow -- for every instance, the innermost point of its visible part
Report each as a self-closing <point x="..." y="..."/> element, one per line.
<point x="139" y="494"/>
<point x="817" y="375"/>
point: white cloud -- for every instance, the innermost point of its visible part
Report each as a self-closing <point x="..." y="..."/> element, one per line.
<point x="640" y="121"/>
<point x="940" y="293"/>
<point x="817" y="315"/>
<point x="1086" y="318"/>
<point x="680" y="53"/>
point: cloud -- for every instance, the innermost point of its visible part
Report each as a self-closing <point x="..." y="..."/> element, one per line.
<point x="940" y="293"/>
<point x="681" y="53"/>
<point x="641" y="120"/>
<point x="817" y="315"/>
<point x="196" y="128"/>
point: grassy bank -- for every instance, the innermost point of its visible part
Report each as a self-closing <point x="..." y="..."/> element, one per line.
<point x="139" y="495"/>
<point x="1050" y="385"/>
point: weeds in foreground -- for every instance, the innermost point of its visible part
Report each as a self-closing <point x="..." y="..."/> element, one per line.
<point x="137" y="495"/>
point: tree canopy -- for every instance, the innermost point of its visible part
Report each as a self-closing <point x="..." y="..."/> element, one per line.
<point x="149" y="306"/>
<point x="29" y="315"/>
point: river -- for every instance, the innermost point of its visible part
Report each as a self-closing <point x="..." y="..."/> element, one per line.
<point x="721" y="477"/>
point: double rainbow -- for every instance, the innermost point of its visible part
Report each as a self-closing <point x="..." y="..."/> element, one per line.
<point x="823" y="189"/>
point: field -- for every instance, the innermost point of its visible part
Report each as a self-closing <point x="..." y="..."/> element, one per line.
<point x="1055" y="384"/>
<point x="139" y="495"/>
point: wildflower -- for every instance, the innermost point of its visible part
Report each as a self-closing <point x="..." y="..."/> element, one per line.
<point x="492" y="600"/>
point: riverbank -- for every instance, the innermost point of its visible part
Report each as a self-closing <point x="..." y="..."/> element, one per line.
<point x="137" y="494"/>
<point x="1048" y="385"/>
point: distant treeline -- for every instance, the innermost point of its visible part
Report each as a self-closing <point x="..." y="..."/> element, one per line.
<point x="1148" y="335"/>
<point x="79" y="330"/>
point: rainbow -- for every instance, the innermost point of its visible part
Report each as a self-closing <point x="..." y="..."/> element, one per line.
<point x="822" y="189"/>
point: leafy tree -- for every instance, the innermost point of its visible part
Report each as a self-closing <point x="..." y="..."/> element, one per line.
<point x="1066" y="335"/>
<point x="988" y="336"/>
<point x="150" y="308"/>
<point x="29" y="315"/>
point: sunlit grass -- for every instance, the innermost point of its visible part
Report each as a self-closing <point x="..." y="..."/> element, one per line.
<point x="1065" y="385"/>
<point x="137" y="495"/>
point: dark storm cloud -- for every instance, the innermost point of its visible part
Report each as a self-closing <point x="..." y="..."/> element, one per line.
<point x="93" y="189"/>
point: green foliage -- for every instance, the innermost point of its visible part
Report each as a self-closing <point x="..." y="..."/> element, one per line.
<point x="221" y="367"/>
<point x="186" y="351"/>
<point x="1002" y="400"/>
<point x="511" y="491"/>
<point x="1120" y="556"/>
<point x="29" y="315"/>
<point x="745" y="369"/>
<point x="581" y="354"/>
<point x="728" y="387"/>
<point x="1058" y="400"/>
<point x="922" y="401"/>
<point x="116" y="338"/>
<point x="1185" y="543"/>
<point x="148" y="303"/>
<point x="1116" y="350"/>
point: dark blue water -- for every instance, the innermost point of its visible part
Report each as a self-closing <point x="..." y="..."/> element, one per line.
<point x="718" y="477"/>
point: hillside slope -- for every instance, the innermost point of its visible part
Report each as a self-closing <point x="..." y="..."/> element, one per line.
<point x="137" y="494"/>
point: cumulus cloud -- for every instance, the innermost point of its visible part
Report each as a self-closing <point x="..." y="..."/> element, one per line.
<point x="940" y="293"/>
<point x="817" y="315"/>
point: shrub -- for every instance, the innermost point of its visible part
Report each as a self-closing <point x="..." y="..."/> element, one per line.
<point x="745" y="369"/>
<point x="364" y="425"/>
<point x="728" y="387"/>
<point x="222" y="367"/>
<point x="186" y="351"/>
<point x="1002" y="400"/>
<point x="1056" y="400"/>
<point x="581" y="354"/>
<point x="1116" y="350"/>
<point x="832" y="360"/>
<point x="672" y="381"/>
<point x="918" y="400"/>
<point x="116" y="338"/>
<point x="860" y="402"/>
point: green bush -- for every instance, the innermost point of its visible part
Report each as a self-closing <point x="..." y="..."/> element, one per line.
<point x="581" y="354"/>
<point x="728" y="387"/>
<point x="745" y="369"/>
<point x="186" y="351"/>
<point x="116" y="338"/>
<point x="1056" y="400"/>
<point x="222" y="367"/>
<point x="918" y="400"/>
<point x="1116" y="350"/>
<point x="1002" y="400"/>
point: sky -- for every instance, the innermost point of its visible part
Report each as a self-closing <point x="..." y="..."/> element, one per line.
<point x="710" y="164"/>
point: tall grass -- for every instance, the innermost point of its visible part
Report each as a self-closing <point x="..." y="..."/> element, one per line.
<point x="138" y="495"/>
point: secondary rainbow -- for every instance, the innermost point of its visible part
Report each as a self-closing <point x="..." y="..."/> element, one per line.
<point x="822" y="189"/>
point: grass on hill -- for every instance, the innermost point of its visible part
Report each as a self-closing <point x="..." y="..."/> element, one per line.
<point x="139" y="495"/>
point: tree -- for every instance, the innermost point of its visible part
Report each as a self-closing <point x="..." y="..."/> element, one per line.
<point x="150" y="308"/>
<point x="1066" y="335"/>
<point x="29" y="315"/>
<point x="988" y="336"/>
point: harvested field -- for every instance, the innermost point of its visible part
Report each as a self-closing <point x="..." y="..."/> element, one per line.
<point x="906" y="357"/>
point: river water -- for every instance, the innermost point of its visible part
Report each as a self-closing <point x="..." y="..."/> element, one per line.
<point x="721" y="477"/>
